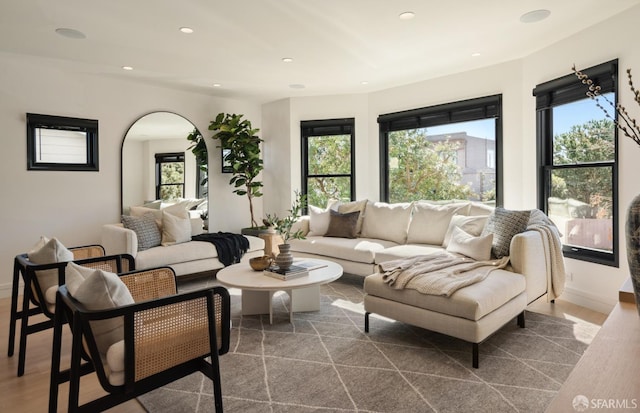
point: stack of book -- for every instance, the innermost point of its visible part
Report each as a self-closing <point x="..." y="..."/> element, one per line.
<point x="292" y="272"/>
<point x="299" y="269"/>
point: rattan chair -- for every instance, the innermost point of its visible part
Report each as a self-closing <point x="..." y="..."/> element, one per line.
<point x="33" y="297"/>
<point x="167" y="336"/>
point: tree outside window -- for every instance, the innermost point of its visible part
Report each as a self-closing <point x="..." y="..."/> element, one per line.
<point x="169" y="176"/>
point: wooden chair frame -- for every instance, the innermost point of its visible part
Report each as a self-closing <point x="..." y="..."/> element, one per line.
<point x="218" y="315"/>
<point x="33" y="301"/>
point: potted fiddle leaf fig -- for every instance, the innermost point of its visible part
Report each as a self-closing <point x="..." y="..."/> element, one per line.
<point x="242" y="148"/>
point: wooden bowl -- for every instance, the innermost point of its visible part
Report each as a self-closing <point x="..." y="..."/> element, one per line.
<point x="260" y="263"/>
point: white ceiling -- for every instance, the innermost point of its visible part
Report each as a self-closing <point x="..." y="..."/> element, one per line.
<point x="335" y="44"/>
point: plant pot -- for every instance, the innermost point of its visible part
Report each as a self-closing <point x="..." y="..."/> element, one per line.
<point x="284" y="260"/>
<point x="632" y="230"/>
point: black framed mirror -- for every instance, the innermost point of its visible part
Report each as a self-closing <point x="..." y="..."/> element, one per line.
<point x="141" y="174"/>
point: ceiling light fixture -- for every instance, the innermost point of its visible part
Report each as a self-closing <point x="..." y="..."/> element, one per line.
<point x="364" y="82"/>
<point x="70" y="33"/>
<point x="535" y="16"/>
<point x="127" y="68"/>
<point x="296" y="86"/>
<point x="476" y="54"/>
<point x="287" y="59"/>
<point x="407" y="15"/>
<point x="217" y="85"/>
<point x="186" y="30"/>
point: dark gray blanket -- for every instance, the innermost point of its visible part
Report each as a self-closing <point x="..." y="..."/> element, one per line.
<point x="230" y="247"/>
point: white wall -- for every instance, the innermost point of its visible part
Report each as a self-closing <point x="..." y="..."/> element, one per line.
<point x="591" y="285"/>
<point x="74" y="205"/>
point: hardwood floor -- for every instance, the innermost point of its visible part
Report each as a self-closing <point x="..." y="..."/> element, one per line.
<point x="30" y="393"/>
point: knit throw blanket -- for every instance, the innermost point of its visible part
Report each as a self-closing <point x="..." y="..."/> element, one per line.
<point x="553" y="257"/>
<point x="440" y="273"/>
<point x="230" y="247"/>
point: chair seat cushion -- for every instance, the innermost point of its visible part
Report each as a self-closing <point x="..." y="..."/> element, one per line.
<point x="472" y="302"/>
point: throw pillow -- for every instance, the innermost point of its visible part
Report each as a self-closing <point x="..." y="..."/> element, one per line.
<point x="473" y="225"/>
<point x="429" y="222"/>
<point x="353" y="207"/>
<point x="100" y="290"/>
<point x="478" y="248"/>
<point x="504" y="225"/>
<point x="146" y="229"/>
<point x="175" y="228"/>
<point x="318" y="221"/>
<point x="138" y="211"/>
<point x="387" y="221"/>
<point x="343" y="225"/>
<point x="48" y="251"/>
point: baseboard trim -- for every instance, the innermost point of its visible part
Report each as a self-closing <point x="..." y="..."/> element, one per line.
<point x="588" y="300"/>
<point x="5" y="289"/>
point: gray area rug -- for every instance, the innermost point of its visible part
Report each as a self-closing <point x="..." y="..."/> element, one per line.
<point x="324" y="362"/>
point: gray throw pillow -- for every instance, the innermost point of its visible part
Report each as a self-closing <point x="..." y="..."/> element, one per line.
<point x="504" y="225"/>
<point x="146" y="229"/>
<point x="343" y="225"/>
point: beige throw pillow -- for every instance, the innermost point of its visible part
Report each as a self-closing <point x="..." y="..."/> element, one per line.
<point x="478" y="248"/>
<point x="387" y="221"/>
<point x="175" y="228"/>
<point x="429" y="222"/>
<point x="48" y="251"/>
<point x="318" y="221"/>
<point x="473" y="225"/>
<point x="100" y="290"/>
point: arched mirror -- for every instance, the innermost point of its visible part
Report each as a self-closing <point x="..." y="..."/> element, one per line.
<point x="158" y="161"/>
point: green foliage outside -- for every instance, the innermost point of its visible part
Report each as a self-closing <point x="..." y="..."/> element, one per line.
<point x="590" y="142"/>
<point x="329" y="155"/>
<point x="199" y="149"/>
<point x="171" y="173"/>
<point x="421" y="169"/>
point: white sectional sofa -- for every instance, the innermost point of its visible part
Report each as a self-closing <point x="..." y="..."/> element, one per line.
<point x="392" y="231"/>
<point x="180" y="252"/>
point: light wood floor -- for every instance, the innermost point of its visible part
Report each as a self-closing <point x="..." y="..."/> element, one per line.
<point x="30" y="393"/>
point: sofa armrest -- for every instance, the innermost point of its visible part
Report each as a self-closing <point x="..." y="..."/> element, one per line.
<point x="527" y="257"/>
<point x="117" y="239"/>
<point x="301" y="224"/>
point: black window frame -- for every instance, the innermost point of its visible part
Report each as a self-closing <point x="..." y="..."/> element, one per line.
<point x="568" y="89"/>
<point x="37" y="121"/>
<point x="327" y="127"/>
<point x="168" y="157"/>
<point x="486" y="107"/>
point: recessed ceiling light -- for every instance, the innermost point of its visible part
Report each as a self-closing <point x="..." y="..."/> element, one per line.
<point x="407" y="15"/>
<point x="364" y="82"/>
<point x="70" y="33"/>
<point x="287" y="59"/>
<point x="296" y="86"/>
<point x="217" y="85"/>
<point x="127" y="68"/>
<point x="476" y="54"/>
<point x="187" y="30"/>
<point x="535" y="16"/>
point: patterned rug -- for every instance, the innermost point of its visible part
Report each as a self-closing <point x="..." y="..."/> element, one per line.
<point x="324" y="362"/>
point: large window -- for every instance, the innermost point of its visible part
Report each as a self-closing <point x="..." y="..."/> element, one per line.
<point x="169" y="175"/>
<point x="328" y="160"/>
<point x="449" y="151"/>
<point x="577" y="153"/>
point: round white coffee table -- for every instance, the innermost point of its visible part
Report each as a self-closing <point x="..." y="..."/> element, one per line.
<point x="258" y="289"/>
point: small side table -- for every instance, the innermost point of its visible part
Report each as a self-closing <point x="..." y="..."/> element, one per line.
<point x="271" y="242"/>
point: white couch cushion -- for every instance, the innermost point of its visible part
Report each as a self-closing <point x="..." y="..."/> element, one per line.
<point x="387" y="221"/>
<point x="478" y="248"/>
<point x="350" y="249"/>
<point x="429" y="222"/>
<point x="318" y="221"/>
<point x="471" y="302"/>
<point x="405" y="251"/>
